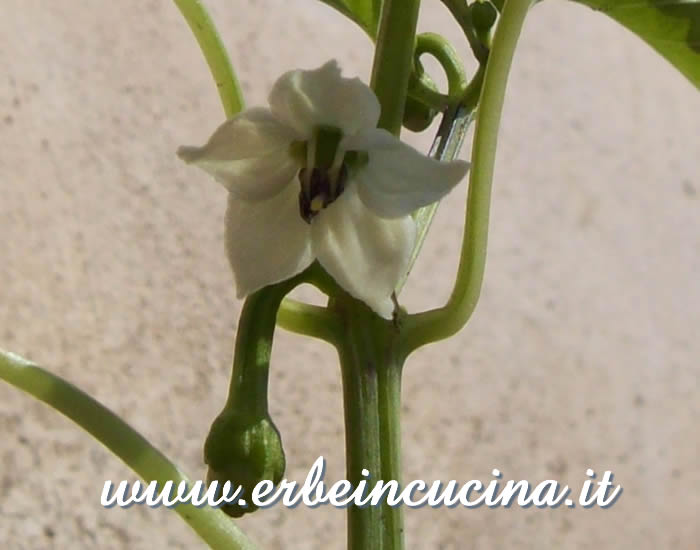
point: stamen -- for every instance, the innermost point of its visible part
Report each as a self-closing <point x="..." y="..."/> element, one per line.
<point x="323" y="179"/>
<point x="310" y="160"/>
<point x="335" y="171"/>
<point x="317" y="204"/>
<point x="318" y="194"/>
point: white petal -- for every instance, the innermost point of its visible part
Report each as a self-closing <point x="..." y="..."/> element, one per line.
<point x="306" y="99"/>
<point x="365" y="254"/>
<point x="398" y="180"/>
<point x="248" y="154"/>
<point x="266" y="241"/>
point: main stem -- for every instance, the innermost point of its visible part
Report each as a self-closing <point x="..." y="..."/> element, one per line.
<point x="389" y="409"/>
<point x="371" y="392"/>
<point x="371" y="371"/>
<point x="393" y="60"/>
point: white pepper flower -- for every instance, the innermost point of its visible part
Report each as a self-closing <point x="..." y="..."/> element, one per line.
<point x="312" y="177"/>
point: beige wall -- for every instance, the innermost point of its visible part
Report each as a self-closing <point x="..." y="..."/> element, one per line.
<point x="582" y="353"/>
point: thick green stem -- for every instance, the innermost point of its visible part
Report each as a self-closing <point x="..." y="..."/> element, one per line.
<point x="371" y="371"/>
<point x="393" y="60"/>
<point x="390" y="371"/>
<point x="370" y="395"/>
<point x="214" y="52"/>
<point x="370" y="392"/>
<point x="211" y="524"/>
<point x="433" y="325"/>
<point x="359" y="367"/>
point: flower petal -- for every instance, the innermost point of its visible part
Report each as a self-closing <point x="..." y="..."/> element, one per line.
<point x="322" y="97"/>
<point x="398" y="180"/>
<point x="248" y="154"/>
<point x="365" y="254"/>
<point x="266" y="241"/>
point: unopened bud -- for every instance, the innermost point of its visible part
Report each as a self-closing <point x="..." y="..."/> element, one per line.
<point x="245" y="452"/>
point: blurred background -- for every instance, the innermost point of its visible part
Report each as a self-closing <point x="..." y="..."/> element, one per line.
<point x="583" y="352"/>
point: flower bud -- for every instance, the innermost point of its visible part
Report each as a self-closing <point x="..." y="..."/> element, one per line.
<point x="244" y="451"/>
<point x="417" y="116"/>
<point x="484" y="15"/>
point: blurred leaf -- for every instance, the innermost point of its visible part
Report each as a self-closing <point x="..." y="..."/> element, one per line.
<point x="671" y="27"/>
<point x="363" y="12"/>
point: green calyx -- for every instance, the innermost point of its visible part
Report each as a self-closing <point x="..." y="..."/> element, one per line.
<point x="422" y="100"/>
<point x="484" y="15"/>
<point x="244" y="451"/>
<point x="417" y="116"/>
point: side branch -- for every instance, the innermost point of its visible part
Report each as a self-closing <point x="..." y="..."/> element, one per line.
<point x="215" y="54"/>
<point x="308" y="320"/>
<point x="211" y="524"/>
<point x="431" y="326"/>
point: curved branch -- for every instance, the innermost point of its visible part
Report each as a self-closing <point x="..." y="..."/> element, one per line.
<point x="433" y="325"/>
<point x="214" y="52"/>
<point x="317" y="322"/>
<point x="211" y="524"/>
<point x="436" y="46"/>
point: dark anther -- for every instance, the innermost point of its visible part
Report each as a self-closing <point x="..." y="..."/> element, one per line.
<point x="320" y="191"/>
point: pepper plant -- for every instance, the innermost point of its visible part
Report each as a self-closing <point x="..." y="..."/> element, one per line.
<point x="323" y="191"/>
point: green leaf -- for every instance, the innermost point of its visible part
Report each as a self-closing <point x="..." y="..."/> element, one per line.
<point x="363" y="12"/>
<point x="671" y="27"/>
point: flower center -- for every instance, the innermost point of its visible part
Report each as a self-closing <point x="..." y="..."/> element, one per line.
<point x="324" y="177"/>
<point x="320" y="191"/>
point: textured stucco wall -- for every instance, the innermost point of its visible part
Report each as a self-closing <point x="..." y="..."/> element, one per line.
<point x="583" y="352"/>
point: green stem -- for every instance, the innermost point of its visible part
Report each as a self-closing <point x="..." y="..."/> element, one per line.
<point x="251" y="360"/>
<point x="445" y="54"/>
<point x="422" y="88"/>
<point x="433" y="325"/>
<point x="393" y="60"/>
<point x="371" y="410"/>
<point x="359" y="368"/>
<point x="308" y="320"/>
<point x="446" y="146"/>
<point x="389" y="405"/>
<point x="215" y="528"/>
<point x="461" y="13"/>
<point x="254" y="339"/>
<point x="214" y="52"/>
<point x="371" y="369"/>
